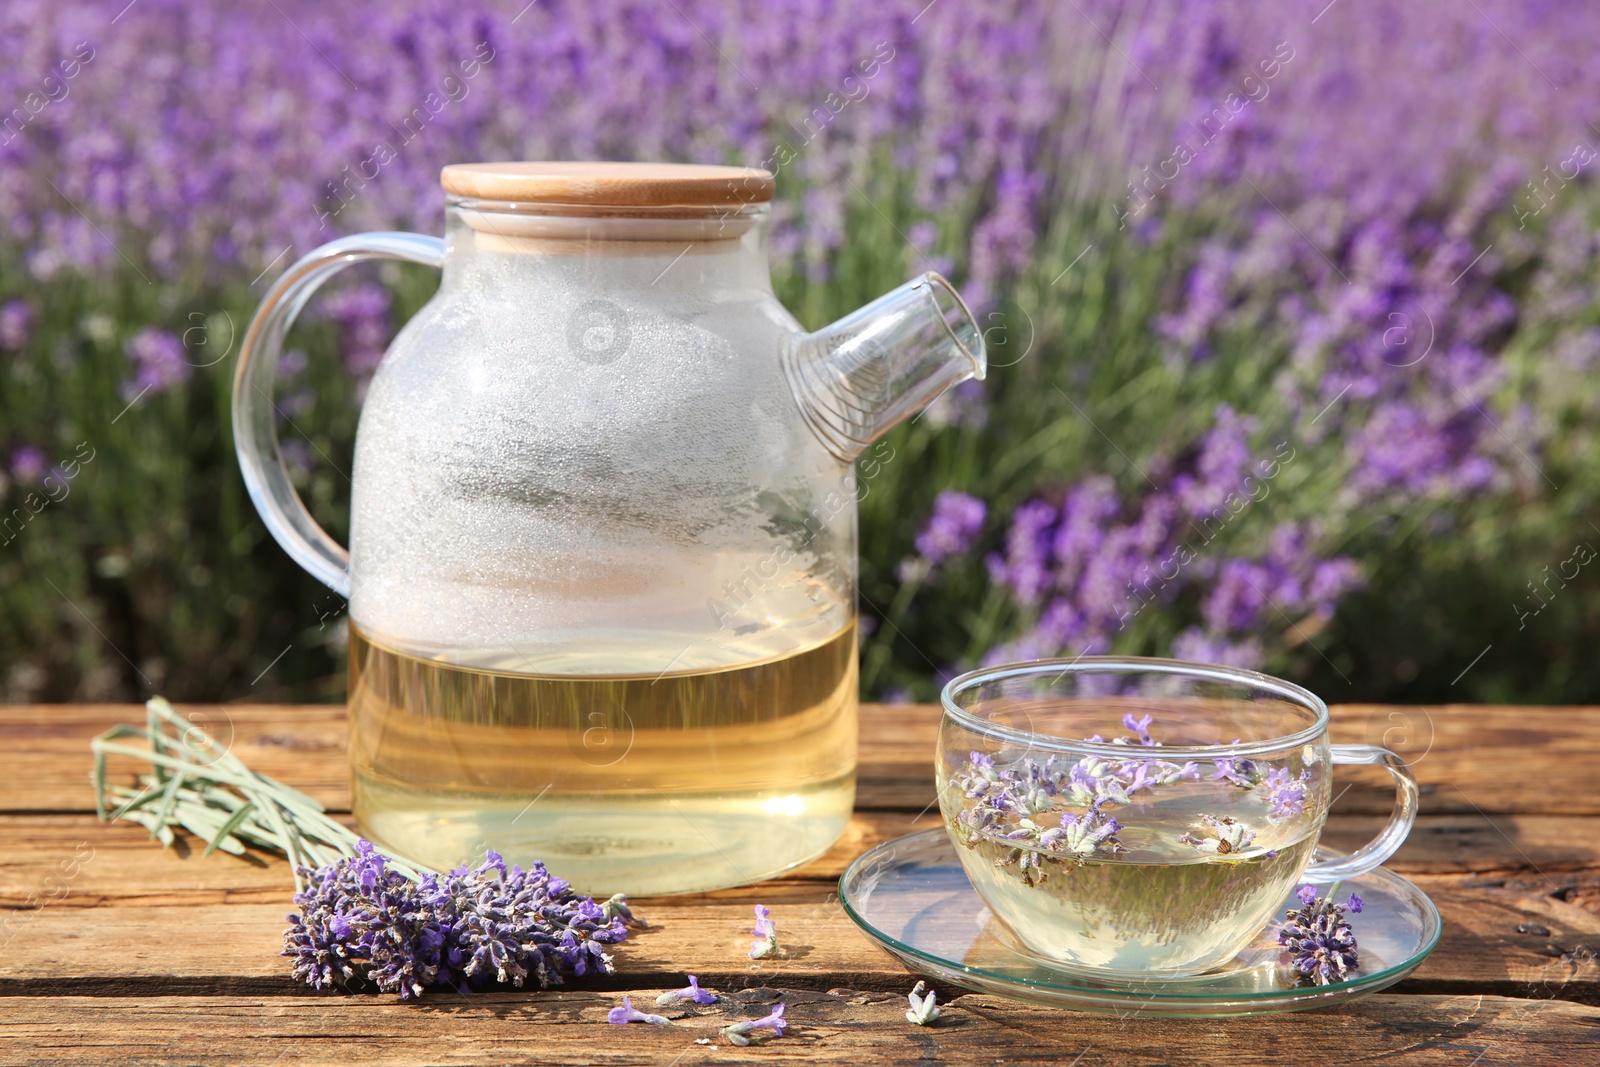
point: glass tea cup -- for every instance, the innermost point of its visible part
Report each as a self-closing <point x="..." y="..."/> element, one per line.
<point x="1133" y="817"/>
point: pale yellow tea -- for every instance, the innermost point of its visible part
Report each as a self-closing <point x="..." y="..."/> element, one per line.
<point x="1156" y="905"/>
<point x="636" y="783"/>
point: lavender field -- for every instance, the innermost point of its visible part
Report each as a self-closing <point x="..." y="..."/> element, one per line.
<point x="1291" y="310"/>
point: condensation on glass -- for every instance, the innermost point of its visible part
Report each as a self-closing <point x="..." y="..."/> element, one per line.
<point x="602" y="558"/>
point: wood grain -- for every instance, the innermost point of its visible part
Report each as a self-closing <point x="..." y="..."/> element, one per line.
<point x="232" y="947"/>
<point x="113" y="950"/>
<point x="609" y="184"/>
<point x="301" y="745"/>
<point x="836" y="1026"/>
<point x="1468" y="758"/>
<point x="126" y="866"/>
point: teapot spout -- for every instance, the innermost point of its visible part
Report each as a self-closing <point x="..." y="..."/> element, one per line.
<point x="860" y="377"/>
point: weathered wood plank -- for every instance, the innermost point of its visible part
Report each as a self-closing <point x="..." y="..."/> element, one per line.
<point x="76" y="861"/>
<point x="115" y="951"/>
<point x="838" y="1026"/>
<point x="304" y="745"/>
<point x="194" y="945"/>
<point x="1468" y="757"/>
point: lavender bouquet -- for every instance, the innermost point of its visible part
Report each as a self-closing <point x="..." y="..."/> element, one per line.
<point x="364" y="917"/>
<point x="361" y="920"/>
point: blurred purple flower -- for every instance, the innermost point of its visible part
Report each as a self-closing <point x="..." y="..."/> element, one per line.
<point x="966" y="405"/>
<point x="362" y="312"/>
<point x="1197" y="647"/>
<point x="159" y="362"/>
<point x="955" y="524"/>
<point x="291" y="363"/>
<point x="1330" y="581"/>
<point x="297" y="455"/>
<point x="1237" y="601"/>
<point x="1220" y="469"/>
<point x="231" y="182"/>
<point x="16" y="324"/>
<point x="28" y="464"/>
<point x="1025" y="565"/>
<point x="1358" y="270"/>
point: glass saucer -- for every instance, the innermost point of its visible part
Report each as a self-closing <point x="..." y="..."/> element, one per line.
<point x="911" y="896"/>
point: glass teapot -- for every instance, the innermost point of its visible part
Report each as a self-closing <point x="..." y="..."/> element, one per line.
<point x="602" y="554"/>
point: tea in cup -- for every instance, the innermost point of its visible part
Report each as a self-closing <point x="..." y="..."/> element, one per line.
<point x="1136" y="817"/>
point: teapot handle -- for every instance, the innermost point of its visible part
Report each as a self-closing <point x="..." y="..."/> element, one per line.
<point x="255" y="430"/>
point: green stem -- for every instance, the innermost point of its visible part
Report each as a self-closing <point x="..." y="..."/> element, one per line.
<point x="208" y="791"/>
<point x="881" y="647"/>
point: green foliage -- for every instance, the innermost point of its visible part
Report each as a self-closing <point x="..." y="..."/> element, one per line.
<point x="154" y="571"/>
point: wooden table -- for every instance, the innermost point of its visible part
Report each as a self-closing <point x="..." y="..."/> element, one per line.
<point x="142" y="955"/>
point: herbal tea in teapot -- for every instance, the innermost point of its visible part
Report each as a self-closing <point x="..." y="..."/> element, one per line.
<point x="674" y="777"/>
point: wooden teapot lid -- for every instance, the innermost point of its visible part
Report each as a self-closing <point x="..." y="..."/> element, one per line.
<point x="609" y="184"/>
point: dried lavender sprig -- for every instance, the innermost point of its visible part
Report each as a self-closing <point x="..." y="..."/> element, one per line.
<point x="364" y="915"/>
<point x="616" y="907"/>
<point x="202" y="787"/>
<point x="1285" y="795"/>
<point x="1084" y="835"/>
<point x="1321" y="944"/>
<point x="361" y="920"/>
<point x="1032" y="788"/>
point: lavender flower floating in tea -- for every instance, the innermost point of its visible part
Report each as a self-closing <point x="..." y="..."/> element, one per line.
<point x="1124" y="863"/>
<point x="364" y="916"/>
